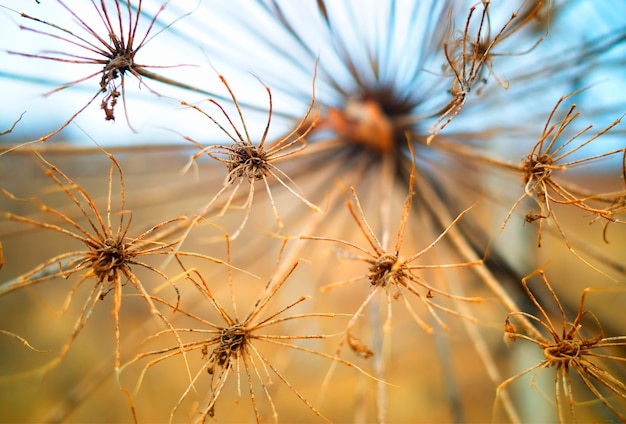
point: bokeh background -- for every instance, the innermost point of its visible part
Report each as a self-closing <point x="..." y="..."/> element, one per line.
<point x="433" y="378"/>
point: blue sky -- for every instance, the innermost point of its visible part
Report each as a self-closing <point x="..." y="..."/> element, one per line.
<point x="201" y="44"/>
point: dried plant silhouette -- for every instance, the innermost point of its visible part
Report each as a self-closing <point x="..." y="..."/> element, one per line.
<point x="249" y="161"/>
<point x="230" y="346"/>
<point x="110" y="255"/>
<point x="571" y="347"/>
<point x="405" y="113"/>
<point x="114" y="50"/>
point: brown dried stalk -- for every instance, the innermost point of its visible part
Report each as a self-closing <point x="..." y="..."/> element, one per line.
<point x="616" y="207"/>
<point x="21" y="340"/>
<point x="9" y="130"/>
<point x="567" y="349"/>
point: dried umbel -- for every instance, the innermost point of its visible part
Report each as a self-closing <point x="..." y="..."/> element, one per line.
<point x="579" y="346"/>
<point x="385" y="69"/>
<point x="393" y="273"/>
<point x="544" y="170"/>
<point x="113" y="49"/>
<point x="470" y="58"/>
<point x="233" y="348"/>
<point x="110" y="256"/>
<point x="248" y="160"/>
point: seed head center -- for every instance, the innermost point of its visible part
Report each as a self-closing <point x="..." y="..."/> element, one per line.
<point x="537" y="167"/>
<point x="111" y="255"/>
<point x="247" y="160"/>
<point x="386" y="270"/>
<point x="564" y="351"/>
<point x="231" y="341"/>
<point x="363" y="122"/>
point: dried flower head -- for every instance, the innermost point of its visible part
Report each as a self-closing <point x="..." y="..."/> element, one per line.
<point x="385" y="71"/>
<point x="110" y="255"/>
<point x="394" y="273"/>
<point x="248" y="161"/>
<point x="550" y="158"/>
<point x="579" y="346"/>
<point x="470" y="58"/>
<point x="113" y="50"/>
<point x="233" y="347"/>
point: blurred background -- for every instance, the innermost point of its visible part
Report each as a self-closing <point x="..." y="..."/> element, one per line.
<point x="433" y="378"/>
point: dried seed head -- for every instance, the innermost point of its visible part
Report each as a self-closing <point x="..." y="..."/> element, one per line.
<point x="563" y="351"/>
<point x="388" y="269"/>
<point x="120" y="62"/>
<point x="114" y="49"/>
<point x="232" y="341"/>
<point x="568" y="351"/>
<point x="537" y="167"/>
<point x="110" y="258"/>
<point x="247" y="160"/>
